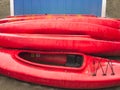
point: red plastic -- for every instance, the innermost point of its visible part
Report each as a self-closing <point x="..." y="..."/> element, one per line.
<point x="40" y="16"/>
<point x="100" y="21"/>
<point x="82" y="44"/>
<point x="61" y="27"/>
<point x="94" y="73"/>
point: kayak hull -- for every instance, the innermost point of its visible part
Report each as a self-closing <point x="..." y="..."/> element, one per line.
<point x="100" y="21"/>
<point x="82" y="44"/>
<point x="58" y="76"/>
<point x="60" y="27"/>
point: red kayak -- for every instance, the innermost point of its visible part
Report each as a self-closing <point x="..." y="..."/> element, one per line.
<point x="60" y="43"/>
<point x="60" y="69"/>
<point x="61" y="27"/>
<point x="40" y="16"/>
<point x="100" y="21"/>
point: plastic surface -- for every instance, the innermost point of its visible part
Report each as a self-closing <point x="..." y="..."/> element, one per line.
<point x="73" y="18"/>
<point x="61" y="27"/>
<point x="49" y="42"/>
<point x="95" y="72"/>
<point x="41" y="16"/>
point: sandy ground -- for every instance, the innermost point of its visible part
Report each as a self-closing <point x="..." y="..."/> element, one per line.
<point x="113" y="8"/>
<point x="4" y="8"/>
<point x="7" y="83"/>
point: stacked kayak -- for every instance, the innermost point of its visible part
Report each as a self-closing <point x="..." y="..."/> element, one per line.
<point x="100" y="21"/>
<point x="31" y="17"/>
<point x="61" y="27"/>
<point x="82" y="44"/>
<point x="66" y="51"/>
<point x="60" y="69"/>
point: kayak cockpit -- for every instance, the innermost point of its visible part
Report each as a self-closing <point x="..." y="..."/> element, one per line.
<point x="70" y="60"/>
